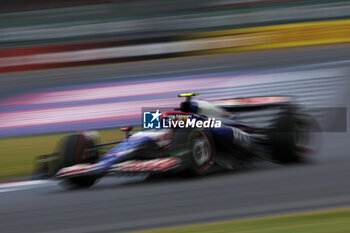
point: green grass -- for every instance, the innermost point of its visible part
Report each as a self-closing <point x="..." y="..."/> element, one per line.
<point x="18" y="153"/>
<point x="333" y="221"/>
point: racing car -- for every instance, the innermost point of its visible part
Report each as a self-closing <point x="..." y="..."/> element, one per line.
<point x="287" y="136"/>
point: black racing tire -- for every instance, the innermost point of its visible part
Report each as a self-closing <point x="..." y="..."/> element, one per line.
<point x="81" y="182"/>
<point x="76" y="149"/>
<point x="201" y="152"/>
<point x="294" y="138"/>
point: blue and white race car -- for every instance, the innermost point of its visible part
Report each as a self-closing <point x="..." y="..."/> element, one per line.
<point x="181" y="145"/>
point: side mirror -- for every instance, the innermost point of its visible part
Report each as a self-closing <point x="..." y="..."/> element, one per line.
<point x="126" y="130"/>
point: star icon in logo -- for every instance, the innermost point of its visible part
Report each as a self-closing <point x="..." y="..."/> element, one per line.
<point x="156" y="115"/>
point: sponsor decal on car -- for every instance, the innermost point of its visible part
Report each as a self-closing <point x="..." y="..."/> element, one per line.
<point x="79" y="168"/>
<point x="161" y="164"/>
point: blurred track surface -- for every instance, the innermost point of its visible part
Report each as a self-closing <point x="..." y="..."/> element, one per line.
<point x="125" y="204"/>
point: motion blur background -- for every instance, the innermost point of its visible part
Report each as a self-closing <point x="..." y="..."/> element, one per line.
<point x="87" y="64"/>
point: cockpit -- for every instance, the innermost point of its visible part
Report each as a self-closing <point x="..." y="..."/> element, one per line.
<point x="202" y="107"/>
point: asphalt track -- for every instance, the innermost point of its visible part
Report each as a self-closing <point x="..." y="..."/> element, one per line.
<point x="127" y="204"/>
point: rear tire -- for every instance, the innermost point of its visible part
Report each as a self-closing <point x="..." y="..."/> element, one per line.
<point x="294" y="138"/>
<point x="81" y="182"/>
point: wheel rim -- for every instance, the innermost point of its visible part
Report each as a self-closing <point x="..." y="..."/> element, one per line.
<point x="201" y="151"/>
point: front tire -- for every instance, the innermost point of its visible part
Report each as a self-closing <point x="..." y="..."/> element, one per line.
<point x="201" y="152"/>
<point x="76" y="149"/>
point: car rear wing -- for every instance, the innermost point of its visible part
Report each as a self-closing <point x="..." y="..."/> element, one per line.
<point x="259" y="111"/>
<point x="250" y="102"/>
